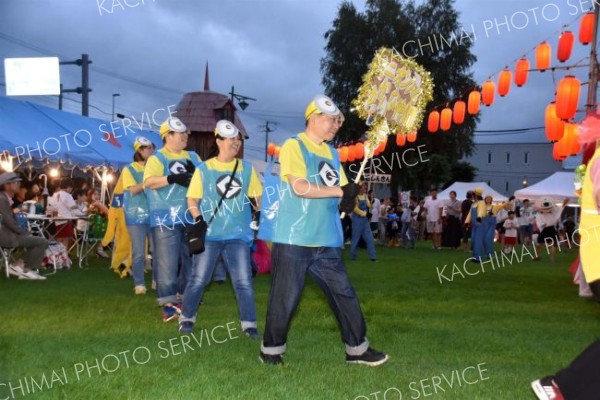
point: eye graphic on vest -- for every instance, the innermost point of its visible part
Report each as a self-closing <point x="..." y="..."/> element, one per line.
<point x="329" y="176"/>
<point x="234" y="190"/>
<point x="177" y="167"/>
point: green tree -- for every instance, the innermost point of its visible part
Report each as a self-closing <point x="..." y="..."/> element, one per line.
<point x="430" y="32"/>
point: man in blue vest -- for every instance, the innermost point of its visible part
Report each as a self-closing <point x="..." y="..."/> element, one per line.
<point x="307" y="237"/>
<point x="167" y="176"/>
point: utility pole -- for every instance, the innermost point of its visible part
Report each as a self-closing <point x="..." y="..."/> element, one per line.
<point x="84" y="62"/>
<point x="267" y="129"/>
<point x="593" y="82"/>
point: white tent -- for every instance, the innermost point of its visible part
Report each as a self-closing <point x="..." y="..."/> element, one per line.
<point x="461" y="189"/>
<point x="557" y="186"/>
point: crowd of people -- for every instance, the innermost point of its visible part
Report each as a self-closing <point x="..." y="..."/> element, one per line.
<point x="473" y="224"/>
<point x="197" y="216"/>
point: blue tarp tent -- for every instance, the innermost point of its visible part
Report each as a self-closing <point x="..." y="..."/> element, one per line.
<point x="29" y="131"/>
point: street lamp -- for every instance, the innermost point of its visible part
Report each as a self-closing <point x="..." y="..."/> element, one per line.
<point x="113" y="105"/>
<point x="525" y="182"/>
<point x="240" y="98"/>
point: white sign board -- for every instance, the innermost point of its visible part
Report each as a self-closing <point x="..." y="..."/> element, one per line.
<point x="378" y="178"/>
<point x="32" y="76"/>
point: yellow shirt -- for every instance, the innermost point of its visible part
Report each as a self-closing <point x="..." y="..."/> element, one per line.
<point x="292" y="162"/>
<point x="128" y="180"/>
<point x="195" y="191"/>
<point x="156" y="168"/>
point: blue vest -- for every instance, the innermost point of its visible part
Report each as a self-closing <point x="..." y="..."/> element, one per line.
<point x="136" y="207"/>
<point x="310" y="222"/>
<point x="168" y="205"/>
<point x="234" y="216"/>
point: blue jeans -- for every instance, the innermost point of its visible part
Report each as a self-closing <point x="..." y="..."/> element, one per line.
<point x="173" y="262"/>
<point x="220" y="273"/>
<point x="408" y="234"/>
<point x="361" y="228"/>
<point x="138" y="235"/>
<point x="236" y="259"/>
<point x="289" y="267"/>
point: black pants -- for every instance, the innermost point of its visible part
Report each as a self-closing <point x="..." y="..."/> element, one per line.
<point x="581" y="379"/>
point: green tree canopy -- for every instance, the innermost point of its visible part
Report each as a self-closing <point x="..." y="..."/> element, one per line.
<point x="429" y="32"/>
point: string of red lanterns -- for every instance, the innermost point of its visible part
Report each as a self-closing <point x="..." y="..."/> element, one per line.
<point x="558" y="113"/>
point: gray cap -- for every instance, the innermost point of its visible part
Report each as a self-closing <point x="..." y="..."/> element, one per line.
<point x="9" y="177"/>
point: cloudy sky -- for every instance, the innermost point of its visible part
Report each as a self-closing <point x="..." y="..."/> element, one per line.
<point x="151" y="52"/>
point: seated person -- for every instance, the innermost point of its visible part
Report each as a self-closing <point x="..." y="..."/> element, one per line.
<point x="13" y="236"/>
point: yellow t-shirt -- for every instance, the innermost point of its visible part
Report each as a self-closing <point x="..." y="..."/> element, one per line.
<point x="292" y="162"/>
<point x="195" y="191"/>
<point x="128" y="179"/>
<point x="156" y="168"/>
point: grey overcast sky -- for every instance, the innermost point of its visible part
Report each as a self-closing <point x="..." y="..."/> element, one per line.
<point x="153" y="51"/>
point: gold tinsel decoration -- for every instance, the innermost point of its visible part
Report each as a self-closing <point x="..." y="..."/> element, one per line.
<point x="393" y="96"/>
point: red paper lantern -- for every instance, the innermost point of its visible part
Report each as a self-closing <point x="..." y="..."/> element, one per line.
<point x="458" y="113"/>
<point x="487" y="93"/>
<point x="446" y="119"/>
<point x="565" y="46"/>
<point x="567" y="97"/>
<point x="359" y="150"/>
<point x="473" y="102"/>
<point x="271" y="149"/>
<point x="556" y="152"/>
<point x="400" y="139"/>
<point x="586" y="28"/>
<point x="572" y="144"/>
<point x="554" y="126"/>
<point x="542" y="56"/>
<point x="504" y="82"/>
<point x="562" y="150"/>
<point x="277" y="150"/>
<point x="351" y="153"/>
<point x="433" y="122"/>
<point x="411" y="137"/>
<point x="521" y="72"/>
<point x="344" y="154"/>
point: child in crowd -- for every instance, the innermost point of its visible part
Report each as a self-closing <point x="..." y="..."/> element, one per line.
<point x="511" y="227"/>
<point x="392" y="227"/>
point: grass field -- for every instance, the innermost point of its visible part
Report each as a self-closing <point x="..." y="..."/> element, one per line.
<point x="87" y="334"/>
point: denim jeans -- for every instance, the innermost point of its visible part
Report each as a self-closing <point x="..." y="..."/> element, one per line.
<point x="289" y="267"/>
<point x="361" y="228"/>
<point x="235" y="254"/>
<point x="220" y="273"/>
<point x="138" y="235"/>
<point x="173" y="262"/>
<point x="408" y="234"/>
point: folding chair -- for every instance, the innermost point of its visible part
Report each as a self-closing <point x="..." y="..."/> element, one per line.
<point x="90" y="237"/>
<point x="5" y="255"/>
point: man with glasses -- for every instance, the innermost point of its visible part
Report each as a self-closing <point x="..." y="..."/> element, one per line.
<point x="307" y="237"/>
<point x="167" y="176"/>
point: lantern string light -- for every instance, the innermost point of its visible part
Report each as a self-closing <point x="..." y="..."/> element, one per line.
<point x="558" y="31"/>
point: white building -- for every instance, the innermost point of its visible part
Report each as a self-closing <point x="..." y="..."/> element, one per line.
<point x="511" y="160"/>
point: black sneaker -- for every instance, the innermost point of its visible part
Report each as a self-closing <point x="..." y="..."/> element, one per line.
<point x="186" y="327"/>
<point x="545" y="389"/>
<point x="370" y="357"/>
<point x="276" y="359"/>
<point x="252" y="333"/>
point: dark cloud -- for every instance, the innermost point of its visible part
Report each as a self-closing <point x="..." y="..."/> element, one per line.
<point x="269" y="50"/>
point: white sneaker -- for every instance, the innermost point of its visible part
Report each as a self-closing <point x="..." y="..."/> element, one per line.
<point x="140" y="290"/>
<point x="100" y="251"/>
<point x="33" y="276"/>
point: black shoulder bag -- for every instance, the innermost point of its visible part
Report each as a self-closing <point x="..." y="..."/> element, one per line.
<point x="196" y="233"/>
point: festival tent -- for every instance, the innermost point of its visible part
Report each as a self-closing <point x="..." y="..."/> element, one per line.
<point x="557" y="186"/>
<point x="29" y="131"/>
<point x="461" y="189"/>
